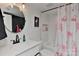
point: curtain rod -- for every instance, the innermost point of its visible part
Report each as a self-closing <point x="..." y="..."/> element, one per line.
<point x="55" y="8"/>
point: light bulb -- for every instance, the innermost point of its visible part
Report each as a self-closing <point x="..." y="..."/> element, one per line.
<point x="23" y="6"/>
<point x="11" y="5"/>
<point x="20" y="7"/>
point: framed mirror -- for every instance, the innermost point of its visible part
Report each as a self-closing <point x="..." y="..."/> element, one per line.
<point x="14" y="19"/>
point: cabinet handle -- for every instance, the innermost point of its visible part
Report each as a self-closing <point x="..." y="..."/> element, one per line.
<point x="37" y="54"/>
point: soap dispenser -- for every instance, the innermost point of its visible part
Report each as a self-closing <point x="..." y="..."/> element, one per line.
<point x="24" y="38"/>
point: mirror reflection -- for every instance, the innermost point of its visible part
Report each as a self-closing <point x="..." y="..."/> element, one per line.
<point x="14" y="19"/>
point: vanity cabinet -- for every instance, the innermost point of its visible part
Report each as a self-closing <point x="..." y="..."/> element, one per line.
<point x="31" y="52"/>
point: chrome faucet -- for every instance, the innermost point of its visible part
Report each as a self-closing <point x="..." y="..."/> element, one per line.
<point x="17" y="40"/>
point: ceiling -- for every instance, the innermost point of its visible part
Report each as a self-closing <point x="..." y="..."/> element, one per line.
<point x="3" y="5"/>
<point x="44" y="6"/>
<point x="37" y="6"/>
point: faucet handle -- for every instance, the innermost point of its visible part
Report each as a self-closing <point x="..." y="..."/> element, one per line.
<point x="14" y="42"/>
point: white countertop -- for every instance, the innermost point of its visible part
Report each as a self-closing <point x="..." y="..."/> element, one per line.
<point x="15" y="49"/>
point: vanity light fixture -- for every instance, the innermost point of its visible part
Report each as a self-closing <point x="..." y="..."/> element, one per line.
<point x="23" y="6"/>
<point x="12" y="4"/>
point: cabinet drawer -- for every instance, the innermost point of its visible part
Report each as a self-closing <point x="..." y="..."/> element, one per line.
<point x="30" y="52"/>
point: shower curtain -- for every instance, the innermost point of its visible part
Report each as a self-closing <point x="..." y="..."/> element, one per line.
<point x="67" y="31"/>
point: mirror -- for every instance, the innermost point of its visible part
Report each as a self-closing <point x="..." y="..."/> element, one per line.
<point x="13" y="19"/>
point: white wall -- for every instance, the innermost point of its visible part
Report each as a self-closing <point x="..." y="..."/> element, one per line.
<point x="49" y="37"/>
<point x="52" y="29"/>
<point x="31" y="31"/>
<point x="44" y="34"/>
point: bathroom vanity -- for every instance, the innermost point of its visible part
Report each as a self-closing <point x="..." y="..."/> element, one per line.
<point x="28" y="48"/>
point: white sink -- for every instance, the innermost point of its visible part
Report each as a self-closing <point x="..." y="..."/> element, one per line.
<point x="3" y="42"/>
<point x="15" y="49"/>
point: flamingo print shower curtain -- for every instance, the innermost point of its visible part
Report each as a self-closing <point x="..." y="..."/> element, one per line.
<point x="67" y="31"/>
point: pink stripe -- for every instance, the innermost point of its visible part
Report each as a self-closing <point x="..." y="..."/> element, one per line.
<point x="74" y="18"/>
<point x="74" y="48"/>
<point x="69" y="34"/>
<point x="77" y="25"/>
<point x="64" y="18"/>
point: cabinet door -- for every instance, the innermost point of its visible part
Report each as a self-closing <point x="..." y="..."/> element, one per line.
<point x="30" y="52"/>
